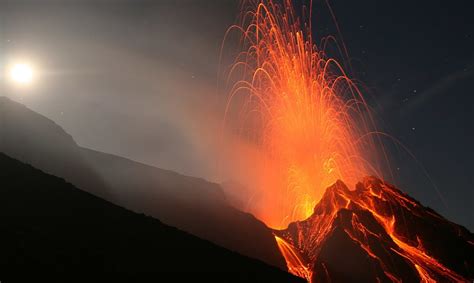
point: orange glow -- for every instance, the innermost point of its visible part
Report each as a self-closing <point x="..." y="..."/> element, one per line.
<point x="308" y="120"/>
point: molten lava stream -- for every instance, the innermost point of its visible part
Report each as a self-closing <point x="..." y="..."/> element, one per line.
<point x="416" y="255"/>
<point x="293" y="260"/>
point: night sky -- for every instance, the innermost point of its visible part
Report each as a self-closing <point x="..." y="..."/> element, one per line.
<point x="138" y="79"/>
<point x="416" y="60"/>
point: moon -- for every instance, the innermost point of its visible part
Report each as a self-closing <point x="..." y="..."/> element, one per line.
<point x="21" y="73"/>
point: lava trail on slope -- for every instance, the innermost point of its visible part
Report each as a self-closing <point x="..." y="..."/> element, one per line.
<point x="376" y="233"/>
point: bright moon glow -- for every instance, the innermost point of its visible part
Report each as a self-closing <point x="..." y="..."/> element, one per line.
<point x="21" y="74"/>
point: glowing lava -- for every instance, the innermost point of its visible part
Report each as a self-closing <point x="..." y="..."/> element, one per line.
<point x="308" y="120"/>
<point x="393" y="232"/>
<point x="293" y="260"/>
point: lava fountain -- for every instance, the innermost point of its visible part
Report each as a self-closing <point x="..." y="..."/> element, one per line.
<point x="298" y="107"/>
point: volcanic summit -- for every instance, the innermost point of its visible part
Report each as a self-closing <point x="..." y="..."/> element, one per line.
<point x="376" y="233"/>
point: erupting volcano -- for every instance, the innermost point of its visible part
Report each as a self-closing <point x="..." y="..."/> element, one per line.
<point x="309" y="121"/>
<point x="312" y="127"/>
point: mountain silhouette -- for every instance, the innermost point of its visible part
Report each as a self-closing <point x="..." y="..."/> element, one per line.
<point x="190" y="204"/>
<point x="32" y="138"/>
<point x="47" y="225"/>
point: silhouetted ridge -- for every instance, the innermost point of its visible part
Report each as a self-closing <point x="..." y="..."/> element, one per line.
<point x="47" y="225"/>
<point x="37" y="140"/>
<point x="191" y="204"/>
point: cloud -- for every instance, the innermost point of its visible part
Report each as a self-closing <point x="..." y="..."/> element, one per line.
<point x="439" y="88"/>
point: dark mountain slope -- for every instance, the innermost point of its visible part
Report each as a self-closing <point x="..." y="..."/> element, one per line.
<point x="190" y="204"/>
<point x="48" y="225"/>
<point x="32" y="138"/>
